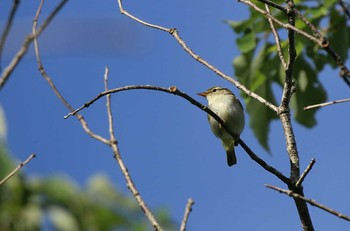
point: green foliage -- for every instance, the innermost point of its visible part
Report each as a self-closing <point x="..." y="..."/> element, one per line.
<point x="56" y="203"/>
<point x="260" y="69"/>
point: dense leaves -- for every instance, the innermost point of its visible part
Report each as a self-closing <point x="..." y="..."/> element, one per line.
<point x="260" y="69"/>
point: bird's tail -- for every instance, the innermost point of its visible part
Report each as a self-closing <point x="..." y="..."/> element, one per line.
<point x="231" y="156"/>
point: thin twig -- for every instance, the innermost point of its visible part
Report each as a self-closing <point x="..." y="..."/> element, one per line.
<point x="110" y="91"/>
<point x="314" y="30"/>
<point x="277" y="39"/>
<point x="122" y="11"/>
<point x="310" y="201"/>
<point x="344" y="71"/>
<point x="53" y="86"/>
<point x="112" y="142"/>
<point x="18" y="168"/>
<point x="263" y="164"/>
<point x="109" y="110"/>
<point x="27" y="41"/>
<point x="8" y="27"/>
<point x="114" y="145"/>
<point x="284" y="25"/>
<point x="274" y="5"/>
<point x="188" y="210"/>
<point x="182" y="43"/>
<point x="306" y="171"/>
<point x="327" y="103"/>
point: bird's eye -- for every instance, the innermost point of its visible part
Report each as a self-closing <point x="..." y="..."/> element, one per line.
<point x="214" y="90"/>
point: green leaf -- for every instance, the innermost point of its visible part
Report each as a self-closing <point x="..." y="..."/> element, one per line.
<point x="247" y="42"/>
<point x="308" y="91"/>
<point x="238" y="26"/>
<point x="338" y="37"/>
<point x="259" y="67"/>
<point x="260" y="115"/>
<point x="329" y="3"/>
<point x="256" y="73"/>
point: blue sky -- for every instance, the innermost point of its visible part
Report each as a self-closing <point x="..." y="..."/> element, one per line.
<point x="166" y="142"/>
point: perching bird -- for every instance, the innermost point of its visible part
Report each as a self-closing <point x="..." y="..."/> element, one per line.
<point x="226" y="105"/>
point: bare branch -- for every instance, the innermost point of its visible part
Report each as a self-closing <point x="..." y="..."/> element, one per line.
<point x="112" y="142"/>
<point x="102" y="94"/>
<point x="27" y="41"/>
<point x="284" y="112"/>
<point x="114" y="145"/>
<point x="122" y="11"/>
<point x="173" y="90"/>
<point x="310" y="201"/>
<point x="52" y="85"/>
<point x="304" y="174"/>
<point x="188" y="210"/>
<point x="18" y="168"/>
<point x="286" y="96"/>
<point x="274" y="5"/>
<point x="326" y="104"/>
<point x="109" y="110"/>
<point x="277" y="39"/>
<point x="263" y="164"/>
<point x="8" y="27"/>
<point x="182" y="43"/>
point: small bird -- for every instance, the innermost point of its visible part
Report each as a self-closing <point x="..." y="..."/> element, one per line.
<point x="226" y="105"/>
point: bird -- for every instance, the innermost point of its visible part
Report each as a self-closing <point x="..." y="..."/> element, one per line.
<point x="228" y="107"/>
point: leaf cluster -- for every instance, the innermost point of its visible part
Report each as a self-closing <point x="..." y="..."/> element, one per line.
<point x="260" y="69"/>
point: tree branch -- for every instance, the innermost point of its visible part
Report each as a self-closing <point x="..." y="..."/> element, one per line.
<point x="27" y="41"/>
<point x="310" y="201"/>
<point x="304" y="174"/>
<point x="114" y="145"/>
<point x="173" y="90"/>
<point x="182" y="43"/>
<point x="284" y="115"/>
<point x="112" y="142"/>
<point x="8" y="26"/>
<point x="326" y="104"/>
<point x="188" y="210"/>
<point x="18" y="168"/>
<point x="274" y="5"/>
<point x="263" y="164"/>
<point x="345" y="73"/>
<point x="277" y="39"/>
<point x="284" y="25"/>
<point x="52" y="85"/>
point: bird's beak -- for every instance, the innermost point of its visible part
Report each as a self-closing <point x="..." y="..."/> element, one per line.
<point x="204" y="94"/>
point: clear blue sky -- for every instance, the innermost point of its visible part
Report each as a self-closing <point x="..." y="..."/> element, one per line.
<point x="166" y="142"/>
